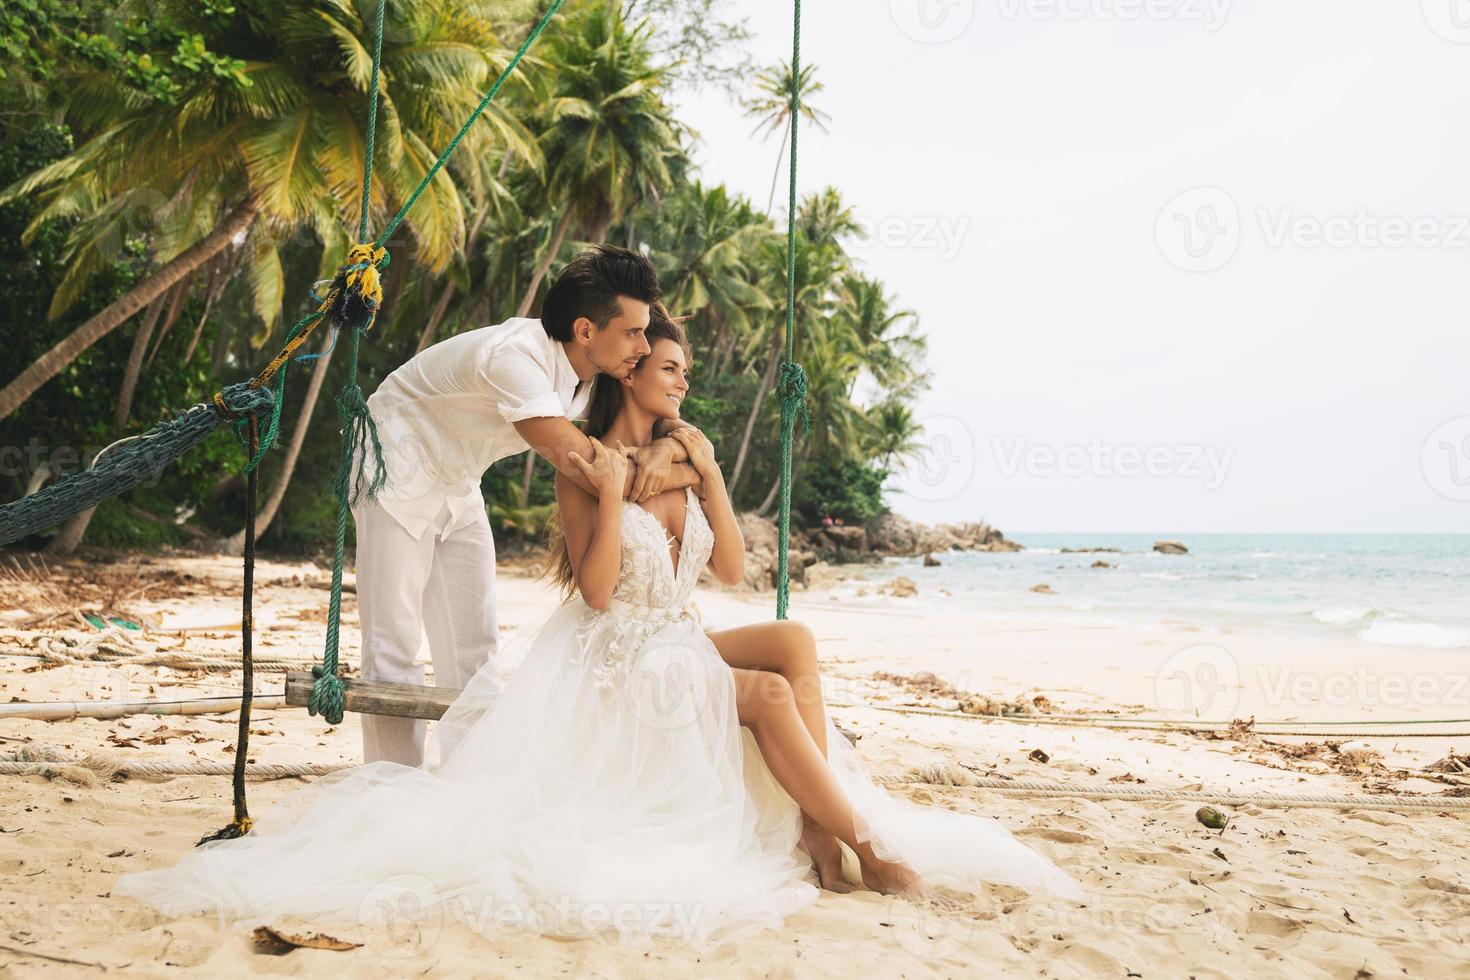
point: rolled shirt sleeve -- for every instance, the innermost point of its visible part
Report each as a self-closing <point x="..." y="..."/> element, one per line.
<point x="520" y="381"/>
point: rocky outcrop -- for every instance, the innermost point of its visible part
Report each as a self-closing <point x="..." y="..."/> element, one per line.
<point x="1170" y="548"/>
<point x="817" y="554"/>
<point x="896" y="536"/>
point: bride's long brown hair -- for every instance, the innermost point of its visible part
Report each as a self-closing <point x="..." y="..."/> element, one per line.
<point x="602" y="411"/>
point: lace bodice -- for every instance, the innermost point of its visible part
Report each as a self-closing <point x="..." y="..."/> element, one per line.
<point x="651" y="593"/>
<point x="647" y="576"/>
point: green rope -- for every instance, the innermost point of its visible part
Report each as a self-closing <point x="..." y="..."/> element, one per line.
<point x="792" y="387"/>
<point x="372" y="129"/>
<point x="474" y="116"/>
<point x="354" y="310"/>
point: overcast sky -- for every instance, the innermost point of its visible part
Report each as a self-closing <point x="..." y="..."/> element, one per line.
<point x="1184" y="265"/>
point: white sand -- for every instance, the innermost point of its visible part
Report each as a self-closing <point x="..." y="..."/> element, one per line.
<point x="1279" y="892"/>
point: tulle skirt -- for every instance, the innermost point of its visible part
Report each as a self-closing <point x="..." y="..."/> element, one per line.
<point x="571" y="803"/>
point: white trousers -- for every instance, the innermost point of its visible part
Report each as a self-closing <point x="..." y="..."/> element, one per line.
<point x="406" y="587"/>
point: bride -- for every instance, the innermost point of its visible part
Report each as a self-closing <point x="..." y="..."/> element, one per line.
<point x="628" y="779"/>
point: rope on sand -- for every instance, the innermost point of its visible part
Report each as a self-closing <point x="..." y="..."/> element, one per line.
<point x="115" y="648"/>
<point x="959" y="777"/>
<point x="67" y="710"/>
<point x="1163" y="725"/>
<point x="41" y="759"/>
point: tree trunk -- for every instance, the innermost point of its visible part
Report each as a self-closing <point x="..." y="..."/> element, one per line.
<point x="436" y="317"/>
<point x="564" y="223"/>
<point x="51" y="363"/>
<point x="74" y="530"/>
<point x="175" y="307"/>
<point x="780" y="155"/>
<point x="526" y="479"/>
<point x="293" y="450"/>
<point x="770" y="497"/>
<point x="427" y="337"/>
<point x="767" y="380"/>
<point x="775" y="487"/>
<point x="135" y="366"/>
<point x="212" y="289"/>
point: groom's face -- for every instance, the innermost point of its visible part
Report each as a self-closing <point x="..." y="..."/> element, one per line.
<point x="617" y="348"/>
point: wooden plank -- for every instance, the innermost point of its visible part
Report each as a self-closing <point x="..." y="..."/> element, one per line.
<point x="377" y="697"/>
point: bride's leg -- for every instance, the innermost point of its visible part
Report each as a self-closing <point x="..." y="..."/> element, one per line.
<point x="789" y="648"/>
<point x="767" y="706"/>
<point x="784" y="647"/>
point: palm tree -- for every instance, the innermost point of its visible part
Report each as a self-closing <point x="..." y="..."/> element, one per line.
<point x="706" y="262"/>
<point x="283" y="152"/>
<point x="817" y="268"/>
<point x="610" y="139"/>
<point x="773" y="108"/>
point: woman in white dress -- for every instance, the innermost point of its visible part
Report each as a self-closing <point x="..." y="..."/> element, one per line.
<point x="627" y="780"/>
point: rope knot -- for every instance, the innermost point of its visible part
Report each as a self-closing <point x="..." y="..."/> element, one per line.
<point x="357" y="290"/>
<point x="328" y="697"/>
<point x="791" y="392"/>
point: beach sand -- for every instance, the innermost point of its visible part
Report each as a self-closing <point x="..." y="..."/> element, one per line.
<point x="1279" y="892"/>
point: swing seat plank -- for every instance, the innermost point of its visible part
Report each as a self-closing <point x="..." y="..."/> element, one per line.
<point x="377" y="697"/>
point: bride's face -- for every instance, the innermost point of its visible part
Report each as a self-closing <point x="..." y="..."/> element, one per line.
<point x="660" y="381"/>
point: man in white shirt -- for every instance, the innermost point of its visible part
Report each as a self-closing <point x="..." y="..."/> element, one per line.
<point x="425" y="555"/>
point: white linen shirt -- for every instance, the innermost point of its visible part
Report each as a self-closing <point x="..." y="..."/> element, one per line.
<point x="444" y="416"/>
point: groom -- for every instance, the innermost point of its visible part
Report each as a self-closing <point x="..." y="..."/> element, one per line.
<point x="425" y="555"/>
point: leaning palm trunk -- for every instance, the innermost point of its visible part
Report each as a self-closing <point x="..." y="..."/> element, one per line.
<point x="544" y="266"/>
<point x="293" y="451"/>
<point x="768" y="379"/>
<point x="74" y="530"/>
<point x="51" y="363"/>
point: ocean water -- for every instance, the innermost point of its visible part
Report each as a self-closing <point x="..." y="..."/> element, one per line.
<point x="1397" y="590"/>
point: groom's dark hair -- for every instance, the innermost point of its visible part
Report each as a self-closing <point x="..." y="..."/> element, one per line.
<point x="590" y="286"/>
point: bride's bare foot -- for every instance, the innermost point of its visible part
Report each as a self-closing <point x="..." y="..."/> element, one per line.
<point x="826" y="855"/>
<point x="888" y="877"/>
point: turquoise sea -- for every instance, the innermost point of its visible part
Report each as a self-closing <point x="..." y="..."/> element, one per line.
<point x="1398" y="590"/>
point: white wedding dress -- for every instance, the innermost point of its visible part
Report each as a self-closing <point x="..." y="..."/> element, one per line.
<point x="607" y="789"/>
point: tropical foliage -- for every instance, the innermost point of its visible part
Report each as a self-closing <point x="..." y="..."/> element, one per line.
<point x="176" y="175"/>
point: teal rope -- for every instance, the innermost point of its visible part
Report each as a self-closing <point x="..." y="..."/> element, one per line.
<point x="372" y="129"/>
<point x="327" y="693"/>
<point x="474" y="117"/>
<point x="792" y="388"/>
<point x="358" y="428"/>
